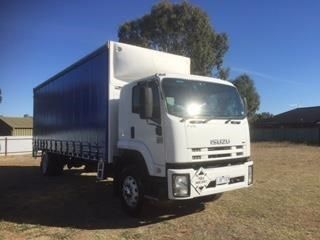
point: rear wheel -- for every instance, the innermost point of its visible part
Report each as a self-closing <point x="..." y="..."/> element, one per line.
<point x="131" y="190"/>
<point x="51" y="164"/>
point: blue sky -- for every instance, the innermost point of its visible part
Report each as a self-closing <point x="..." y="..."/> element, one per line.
<point x="275" y="42"/>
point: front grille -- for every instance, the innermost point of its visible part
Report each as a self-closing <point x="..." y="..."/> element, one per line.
<point x="218" y="148"/>
<point x="196" y="149"/>
<point x="219" y="155"/>
<point x="220" y="152"/>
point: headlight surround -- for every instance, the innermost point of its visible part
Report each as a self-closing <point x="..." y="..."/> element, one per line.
<point x="181" y="185"/>
<point x="250" y="175"/>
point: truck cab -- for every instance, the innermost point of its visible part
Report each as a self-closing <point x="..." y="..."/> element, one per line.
<point x="191" y="132"/>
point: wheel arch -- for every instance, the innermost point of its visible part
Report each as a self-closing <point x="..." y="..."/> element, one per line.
<point x="132" y="157"/>
<point x="136" y="152"/>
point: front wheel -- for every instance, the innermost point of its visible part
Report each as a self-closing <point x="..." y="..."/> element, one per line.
<point x="131" y="191"/>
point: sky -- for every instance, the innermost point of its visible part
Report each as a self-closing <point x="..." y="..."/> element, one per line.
<point x="275" y="42"/>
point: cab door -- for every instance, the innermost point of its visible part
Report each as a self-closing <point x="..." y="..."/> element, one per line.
<point x="148" y="131"/>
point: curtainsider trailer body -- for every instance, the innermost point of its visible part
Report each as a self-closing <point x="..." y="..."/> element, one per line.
<point x="139" y="116"/>
<point x="71" y="109"/>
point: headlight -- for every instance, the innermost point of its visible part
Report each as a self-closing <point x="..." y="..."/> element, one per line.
<point x="250" y="175"/>
<point x="181" y="185"/>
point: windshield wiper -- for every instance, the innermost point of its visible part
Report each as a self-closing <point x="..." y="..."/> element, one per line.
<point x="205" y="120"/>
<point x="202" y="120"/>
<point x="229" y="120"/>
<point x="232" y="120"/>
<point x="185" y="119"/>
<point x="209" y="119"/>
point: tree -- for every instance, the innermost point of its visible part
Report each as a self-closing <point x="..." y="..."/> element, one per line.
<point x="262" y="116"/>
<point x="180" y="29"/>
<point x="224" y="73"/>
<point x="248" y="90"/>
<point x="0" y="95"/>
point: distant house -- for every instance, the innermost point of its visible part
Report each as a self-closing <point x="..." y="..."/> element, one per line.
<point x="298" y="125"/>
<point x="16" y="126"/>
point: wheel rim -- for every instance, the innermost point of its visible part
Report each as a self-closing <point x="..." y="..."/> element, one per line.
<point x="130" y="191"/>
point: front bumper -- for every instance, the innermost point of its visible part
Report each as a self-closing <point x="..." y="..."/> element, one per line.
<point x="210" y="178"/>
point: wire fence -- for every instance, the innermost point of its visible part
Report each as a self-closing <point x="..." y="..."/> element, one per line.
<point x="15" y="145"/>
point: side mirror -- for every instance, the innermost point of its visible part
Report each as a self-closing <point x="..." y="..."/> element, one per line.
<point x="146" y="102"/>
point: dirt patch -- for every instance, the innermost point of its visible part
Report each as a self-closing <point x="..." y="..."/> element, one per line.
<point x="282" y="204"/>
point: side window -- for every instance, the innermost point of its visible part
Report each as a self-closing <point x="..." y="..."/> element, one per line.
<point x="156" y="115"/>
<point x="136" y="99"/>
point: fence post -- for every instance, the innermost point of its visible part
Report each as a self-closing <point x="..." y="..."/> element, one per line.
<point x="5" y="146"/>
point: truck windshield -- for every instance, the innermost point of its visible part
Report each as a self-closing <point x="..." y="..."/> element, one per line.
<point x="198" y="99"/>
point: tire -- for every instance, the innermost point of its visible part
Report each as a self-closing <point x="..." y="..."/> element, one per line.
<point x="51" y="165"/>
<point x="131" y="191"/>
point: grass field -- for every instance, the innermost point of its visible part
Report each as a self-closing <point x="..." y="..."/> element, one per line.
<point x="284" y="203"/>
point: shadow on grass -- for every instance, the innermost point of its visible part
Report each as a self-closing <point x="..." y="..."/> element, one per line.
<point x="73" y="201"/>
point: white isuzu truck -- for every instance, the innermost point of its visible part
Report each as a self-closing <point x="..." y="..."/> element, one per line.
<point x="140" y="117"/>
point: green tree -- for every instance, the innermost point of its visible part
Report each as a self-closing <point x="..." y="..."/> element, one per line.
<point x="180" y="29"/>
<point x="248" y="90"/>
<point x="223" y="73"/>
<point x="261" y="116"/>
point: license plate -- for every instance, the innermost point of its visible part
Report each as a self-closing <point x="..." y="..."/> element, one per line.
<point x="222" y="180"/>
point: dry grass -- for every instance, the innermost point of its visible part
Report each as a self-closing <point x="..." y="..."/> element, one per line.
<point x="284" y="203"/>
